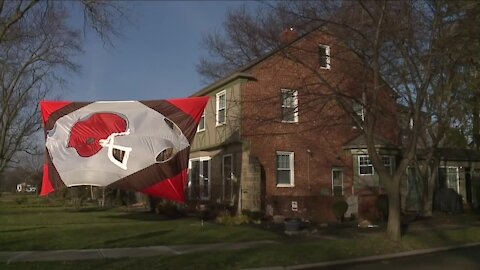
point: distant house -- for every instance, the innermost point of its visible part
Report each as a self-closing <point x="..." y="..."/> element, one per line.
<point x="24" y="187"/>
<point x="274" y="140"/>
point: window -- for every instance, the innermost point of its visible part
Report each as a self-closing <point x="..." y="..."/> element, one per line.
<point x="337" y="182"/>
<point x="289" y="106"/>
<point x="387" y="162"/>
<point x="324" y="56"/>
<point x="199" y="178"/>
<point x="365" y="167"/>
<point x="452" y="178"/>
<point x="221" y="108"/>
<point x="285" y="176"/>
<point x="201" y="124"/>
<point x="359" y="111"/>
<point x="227" y="175"/>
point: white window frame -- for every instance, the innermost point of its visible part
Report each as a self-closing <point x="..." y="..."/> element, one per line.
<point x="224" y="176"/>
<point x="295" y="104"/>
<point x="218" y="108"/>
<point x="292" y="168"/>
<point x="202" y="120"/>
<point x="370" y="164"/>
<point x="201" y="178"/>
<point x="457" y="173"/>
<point x="333" y="186"/>
<point x="390" y="160"/>
<point x="327" y="53"/>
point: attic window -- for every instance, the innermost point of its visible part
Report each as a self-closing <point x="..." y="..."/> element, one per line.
<point x="359" y="111"/>
<point x="324" y="56"/>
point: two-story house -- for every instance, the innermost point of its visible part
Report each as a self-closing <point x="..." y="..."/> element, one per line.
<point x="275" y="138"/>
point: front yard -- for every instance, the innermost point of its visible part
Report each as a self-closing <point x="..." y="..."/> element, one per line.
<point x="36" y="226"/>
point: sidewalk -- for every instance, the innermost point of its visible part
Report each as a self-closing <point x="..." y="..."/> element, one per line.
<point x="328" y="264"/>
<point x="136" y="252"/>
<point x="90" y="254"/>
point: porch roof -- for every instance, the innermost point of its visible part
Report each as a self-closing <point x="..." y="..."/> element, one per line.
<point x="360" y="142"/>
<point x="454" y="154"/>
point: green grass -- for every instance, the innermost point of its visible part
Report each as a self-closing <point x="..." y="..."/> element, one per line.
<point x="24" y="227"/>
<point x="32" y="226"/>
<point x="271" y="255"/>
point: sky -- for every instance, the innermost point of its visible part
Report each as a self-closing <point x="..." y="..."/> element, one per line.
<point x="154" y="59"/>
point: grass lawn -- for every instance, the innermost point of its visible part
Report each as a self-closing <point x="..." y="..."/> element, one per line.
<point x="42" y="228"/>
<point x="33" y="226"/>
<point x="288" y="253"/>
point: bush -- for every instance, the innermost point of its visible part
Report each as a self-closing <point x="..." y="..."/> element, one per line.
<point x="228" y="220"/>
<point x="382" y="206"/>
<point x="20" y="200"/>
<point x="169" y="209"/>
<point x="256" y="215"/>
<point x="339" y="209"/>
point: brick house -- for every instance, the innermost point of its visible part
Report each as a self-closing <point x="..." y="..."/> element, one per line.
<point x="274" y="139"/>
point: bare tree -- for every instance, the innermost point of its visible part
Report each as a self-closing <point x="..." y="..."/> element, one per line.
<point x="400" y="47"/>
<point x="36" y="44"/>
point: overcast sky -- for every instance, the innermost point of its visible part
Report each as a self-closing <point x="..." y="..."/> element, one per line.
<point x="155" y="58"/>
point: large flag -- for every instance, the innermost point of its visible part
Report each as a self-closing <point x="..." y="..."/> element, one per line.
<point x="132" y="145"/>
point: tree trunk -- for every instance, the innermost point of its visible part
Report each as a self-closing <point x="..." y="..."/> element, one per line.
<point x="428" y="203"/>
<point x="394" y="222"/>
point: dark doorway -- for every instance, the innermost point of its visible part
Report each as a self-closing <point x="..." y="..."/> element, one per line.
<point x="468" y="185"/>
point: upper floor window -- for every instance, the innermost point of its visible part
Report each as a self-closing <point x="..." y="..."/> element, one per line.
<point x="221" y="108"/>
<point x="359" y="112"/>
<point x="324" y="56"/>
<point x="201" y="124"/>
<point x="289" y="105"/>
<point x="285" y="175"/>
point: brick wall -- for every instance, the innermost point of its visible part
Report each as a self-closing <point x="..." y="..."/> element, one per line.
<point x="323" y="127"/>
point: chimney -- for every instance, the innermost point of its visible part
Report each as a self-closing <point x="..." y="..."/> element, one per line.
<point x="288" y="35"/>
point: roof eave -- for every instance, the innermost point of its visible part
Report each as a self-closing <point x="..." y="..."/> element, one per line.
<point x="223" y="81"/>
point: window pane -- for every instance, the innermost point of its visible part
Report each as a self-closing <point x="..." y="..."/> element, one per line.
<point x="337" y="178"/>
<point x="221" y="116"/>
<point x="288" y="97"/>
<point x="201" y="125"/>
<point x="289" y="114"/>
<point x="366" y="170"/>
<point x="205" y="177"/>
<point x="365" y="160"/>
<point x="283" y="177"/>
<point x="452" y="178"/>
<point x="289" y="105"/>
<point x="283" y="161"/>
<point x="386" y="161"/>
<point x="322" y="53"/>
<point x="358" y="109"/>
<point x="194" y="177"/>
<point x="221" y="101"/>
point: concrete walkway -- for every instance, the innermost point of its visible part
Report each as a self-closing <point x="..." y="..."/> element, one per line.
<point x="135" y="252"/>
<point x="89" y="254"/>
